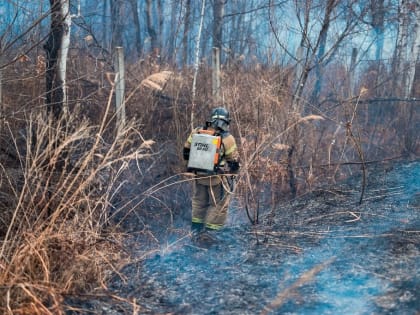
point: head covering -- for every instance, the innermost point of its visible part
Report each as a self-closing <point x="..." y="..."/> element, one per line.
<point x="219" y="118"/>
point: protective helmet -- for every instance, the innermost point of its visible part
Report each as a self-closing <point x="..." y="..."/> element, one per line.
<point x="220" y="113"/>
<point x="219" y="118"/>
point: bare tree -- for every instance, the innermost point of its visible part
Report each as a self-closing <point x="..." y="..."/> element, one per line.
<point x="160" y="27"/>
<point x="407" y="48"/>
<point x="322" y="42"/>
<point x="377" y="11"/>
<point x="106" y="23"/>
<point x="218" y="10"/>
<point x="56" y="49"/>
<point x="196" y="60"/>
<point x="185" y="36"/>
<point x="117" y="23"/>
<point x="137" y="28"/>
<point x="238" y="32"/>
<point x="414" y="50"/>
<point x="151" y="29"/>
<point x="301" y="67"/>
<point x="313" y="52"/>
<point x="170" y="56"/>
<point x="404" y="65"/>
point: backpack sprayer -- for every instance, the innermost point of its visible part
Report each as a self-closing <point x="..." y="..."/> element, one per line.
<point x="204" y="152"/>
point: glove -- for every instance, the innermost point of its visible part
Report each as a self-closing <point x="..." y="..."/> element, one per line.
<point x="222" y="170"/>
<point x="233" y="166"/>
<point x="186" y="153"/>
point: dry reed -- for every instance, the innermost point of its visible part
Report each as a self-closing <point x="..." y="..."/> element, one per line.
<point x="58" y="239"/>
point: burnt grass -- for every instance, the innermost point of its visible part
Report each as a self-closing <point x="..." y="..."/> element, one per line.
<point x="322" y="253"/>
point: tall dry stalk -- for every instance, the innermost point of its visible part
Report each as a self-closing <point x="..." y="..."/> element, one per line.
<point x="58" y="239"/>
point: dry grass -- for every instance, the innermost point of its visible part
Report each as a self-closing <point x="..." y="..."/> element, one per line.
<point x="56" y="239"/>
<point x="56" y="201"/>
<point x="157" y="81"/>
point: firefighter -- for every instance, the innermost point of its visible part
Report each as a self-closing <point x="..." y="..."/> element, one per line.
<point x="212" y="190"/>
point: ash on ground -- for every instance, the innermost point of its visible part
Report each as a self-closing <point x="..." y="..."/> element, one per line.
<point x="323" y="253"/>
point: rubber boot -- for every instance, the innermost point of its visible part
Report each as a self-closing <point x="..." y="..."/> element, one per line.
<point x="196" y="229"/>
<point x="205" y="238"/>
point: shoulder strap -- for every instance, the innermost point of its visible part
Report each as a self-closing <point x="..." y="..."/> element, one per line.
<point x="224" y="134"/>
<point x="220" y="133"/>
<point x="208" y="132"/>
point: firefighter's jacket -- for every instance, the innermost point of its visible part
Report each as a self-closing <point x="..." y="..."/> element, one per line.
<point x="228" y="153"/>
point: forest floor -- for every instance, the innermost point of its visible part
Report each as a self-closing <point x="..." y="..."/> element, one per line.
<point x="323" y="253"/>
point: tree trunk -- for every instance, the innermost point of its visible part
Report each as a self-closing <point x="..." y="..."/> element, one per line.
<point x="54" y="83"/>
<point x="242" y="34"/>
<point x="65" y="44"/>
<point x="401" y="50"/>
<point x="185" y="41"/>
<point x="151" y="29"/>
<point x="378" y="12"/>
<point x="116" y="23"/>
<point x="197" y="60"/>
<point x="402" y="74"/>
<point x="311" y="55"/>
<point x="414" y="55"/>
<point x="170" y="57"/>
<point x="106" y="25"/>
<point x="137" y="28"/>
<point x="301" y="63"/>
<point x="216" y="91"/>
<point x="160" y="29"/>
<point x="218" y="8"/>
<point x="321" y="50"/>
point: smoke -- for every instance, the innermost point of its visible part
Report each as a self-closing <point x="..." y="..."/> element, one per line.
<point x="343" y="258"/>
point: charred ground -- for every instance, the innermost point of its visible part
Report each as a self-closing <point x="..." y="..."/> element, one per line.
<point x="321" y="253"/>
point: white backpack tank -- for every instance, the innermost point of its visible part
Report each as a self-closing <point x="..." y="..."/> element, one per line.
<point x="204" y="152"/>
